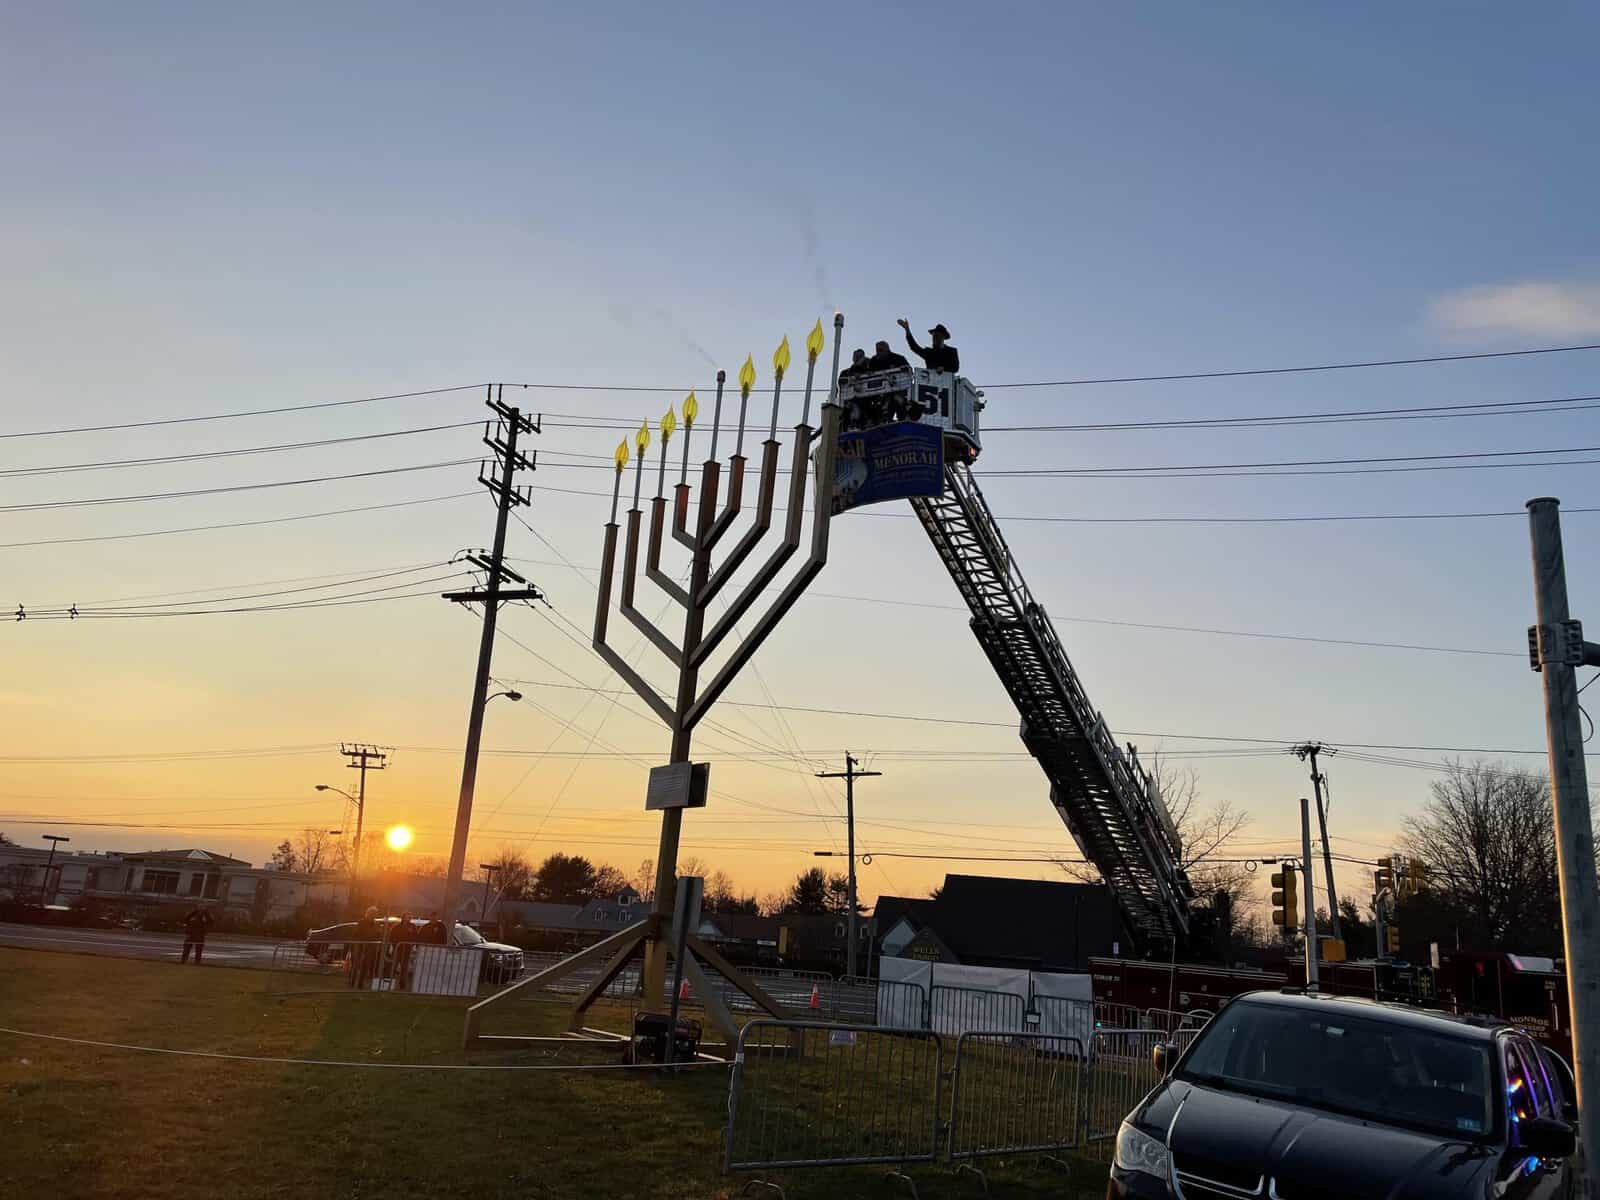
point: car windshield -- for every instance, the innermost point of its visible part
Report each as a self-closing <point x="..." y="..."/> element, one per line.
<point x="466" y="935"/>
<point x="1385" y="1071"/>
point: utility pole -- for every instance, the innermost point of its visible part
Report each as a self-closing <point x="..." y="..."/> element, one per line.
<point x="1310" y="750"/>
<point x="1557" y="648"/>
<point x="502" y="438"/>
<point x="362" y="758"/>
<point x="55" y="839"/>
<point x="1312" y="980"/>
<point x="850" y="774"/>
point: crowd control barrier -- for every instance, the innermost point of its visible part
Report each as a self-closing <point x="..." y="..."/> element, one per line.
<point x="1015" y="1093"/>
<point x="812" y="1094"/>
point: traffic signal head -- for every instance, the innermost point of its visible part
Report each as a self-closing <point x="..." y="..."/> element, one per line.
<point x="1391" y="937"/>
<point x="1285" y="898"/>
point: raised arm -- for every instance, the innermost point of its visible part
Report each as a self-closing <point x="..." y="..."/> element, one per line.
<point x="911" y="341"/>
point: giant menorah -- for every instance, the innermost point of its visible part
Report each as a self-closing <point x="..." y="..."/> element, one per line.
<point x="682" y="784"/>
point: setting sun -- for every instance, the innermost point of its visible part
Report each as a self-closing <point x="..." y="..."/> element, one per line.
<point x="398" y="837"/>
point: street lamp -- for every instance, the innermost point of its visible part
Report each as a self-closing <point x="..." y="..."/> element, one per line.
<point x="509" y="694"/>
<point x="53" y="839"/>
<point x="355" y="853"/>
<point x="488" y="870"/>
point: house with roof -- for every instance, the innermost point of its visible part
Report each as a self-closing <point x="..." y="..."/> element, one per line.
<point x="980" y="920"/>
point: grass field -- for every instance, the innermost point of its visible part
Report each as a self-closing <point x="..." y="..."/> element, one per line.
<point x="91" y="1122"/>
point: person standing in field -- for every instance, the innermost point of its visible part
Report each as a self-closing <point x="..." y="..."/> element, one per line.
<point x="194" y="932"/>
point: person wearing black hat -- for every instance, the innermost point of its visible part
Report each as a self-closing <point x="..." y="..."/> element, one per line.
<point x="941" y="356"/>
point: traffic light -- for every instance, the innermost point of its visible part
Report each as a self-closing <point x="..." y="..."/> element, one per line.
<point x="1416" y="877"/>
<point x="1285" y="899"/>
<point x="1391" y="940"/>
<point x="1383" y="877"/>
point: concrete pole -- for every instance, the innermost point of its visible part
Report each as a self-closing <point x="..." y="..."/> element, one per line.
<point x="1569" y="785"/>
<point x="1308" y="876"/>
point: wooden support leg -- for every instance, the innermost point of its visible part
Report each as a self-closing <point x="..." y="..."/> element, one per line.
<point x="594" y="991"/>
<point x="736" y="977"/>
<point x="595" y="953"/>
<point x="720" y="1016"/>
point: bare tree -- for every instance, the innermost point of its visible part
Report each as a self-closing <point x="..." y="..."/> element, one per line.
<point x="644" y="879"/>
<point x="1487" y="836"/>
<point x="510" y="872"/>
<point x="1204" y="831"/>
<point x="318" y="850"/>
<point x="693" y="864"/>
<point x="609" y="880"/>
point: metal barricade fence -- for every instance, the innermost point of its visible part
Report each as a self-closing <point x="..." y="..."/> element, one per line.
<point x="954" y="1010"/>
<point x="809" y="1094"/>
<point x="1117" y="1016"/>
<point x="1121" y="1073"/>
<point x="1064" y="1016"/>
<point x="422" y="968"/>
<point x="1015" y="1093"/>
<point x="1170" y="1020"/>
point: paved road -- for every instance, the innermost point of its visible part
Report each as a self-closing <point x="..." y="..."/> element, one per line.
<point x="220" y="949"/>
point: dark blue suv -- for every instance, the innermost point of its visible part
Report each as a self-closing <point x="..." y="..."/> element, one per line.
<point x="1301" y="1097"/>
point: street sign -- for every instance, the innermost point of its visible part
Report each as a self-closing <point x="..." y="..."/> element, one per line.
<point x="677" y="785"/>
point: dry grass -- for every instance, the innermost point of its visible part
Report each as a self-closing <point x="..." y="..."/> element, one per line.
<point x="96" y="1123"/>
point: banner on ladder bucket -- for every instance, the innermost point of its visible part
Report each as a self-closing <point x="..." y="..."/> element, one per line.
<point x="888" y="462"/>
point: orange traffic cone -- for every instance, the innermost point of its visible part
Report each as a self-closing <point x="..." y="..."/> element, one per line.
<point x="683" y="990"/>
<point x="816" y="997"/>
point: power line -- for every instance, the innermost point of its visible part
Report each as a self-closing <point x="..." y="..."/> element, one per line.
<point x="238" y="487"/>
<point x="1430" y="412"/>
<point x="1235" y="374"/>
<point x="1164" y="520"/>
<point x="1240" y="633"/>
<point x="1140" y="733"/>
<point x="148" y="533"/>
<point x="230" y="416"/>
<point x="207" y="455"/>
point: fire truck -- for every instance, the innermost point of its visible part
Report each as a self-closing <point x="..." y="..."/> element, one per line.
<point x="1529" y="992"/>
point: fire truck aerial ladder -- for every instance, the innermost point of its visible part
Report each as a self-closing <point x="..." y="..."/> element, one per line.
<point x="1109" y="803"/>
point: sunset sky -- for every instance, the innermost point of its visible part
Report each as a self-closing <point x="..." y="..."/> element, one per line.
<point x="218" y="211"/>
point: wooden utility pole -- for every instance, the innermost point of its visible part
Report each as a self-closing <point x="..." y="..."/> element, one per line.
<point x="1310" y="750"/>
<point x="1556" y="648"/>
<point x="502" y="439"/>
<point x="850" y="774"/>
<point x="362" y="758"/>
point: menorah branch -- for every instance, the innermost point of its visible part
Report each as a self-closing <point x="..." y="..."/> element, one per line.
<point x="652" y="558"/>
<point x="630" y="574"/>
<point x="775" y="561"/>
<point x="608" y="559"/>
<point x="752" y="538"/>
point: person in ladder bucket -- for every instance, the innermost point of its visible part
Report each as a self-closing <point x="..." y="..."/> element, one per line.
<point x="941" y="356"/>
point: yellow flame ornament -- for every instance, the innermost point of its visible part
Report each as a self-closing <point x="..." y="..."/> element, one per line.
<point x="814" y="341"/>
<point x="780" y="356"/>
<point x="668" y="424"/>
<point x="747" y="375"/>
<point x="642" y="439"/>
<point x="691" y="410"/>
<point x="621" y="456"/>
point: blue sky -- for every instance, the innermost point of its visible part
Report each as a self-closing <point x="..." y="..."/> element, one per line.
<point x="211" y="211"/>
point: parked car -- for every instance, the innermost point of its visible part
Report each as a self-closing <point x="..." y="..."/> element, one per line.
<point x="1305" y="1096"/>
<point x="501" y="963"/>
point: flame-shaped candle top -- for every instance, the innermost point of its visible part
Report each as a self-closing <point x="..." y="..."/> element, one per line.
<point x="668" y="424"/>
<point x="814" y="341"/>
<point x="691" y="410"/>
<point x="780" y="356"/>
<point x="642" y="438"/>
<point x="621" y="456"/>
<point x="747" y="374"/>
